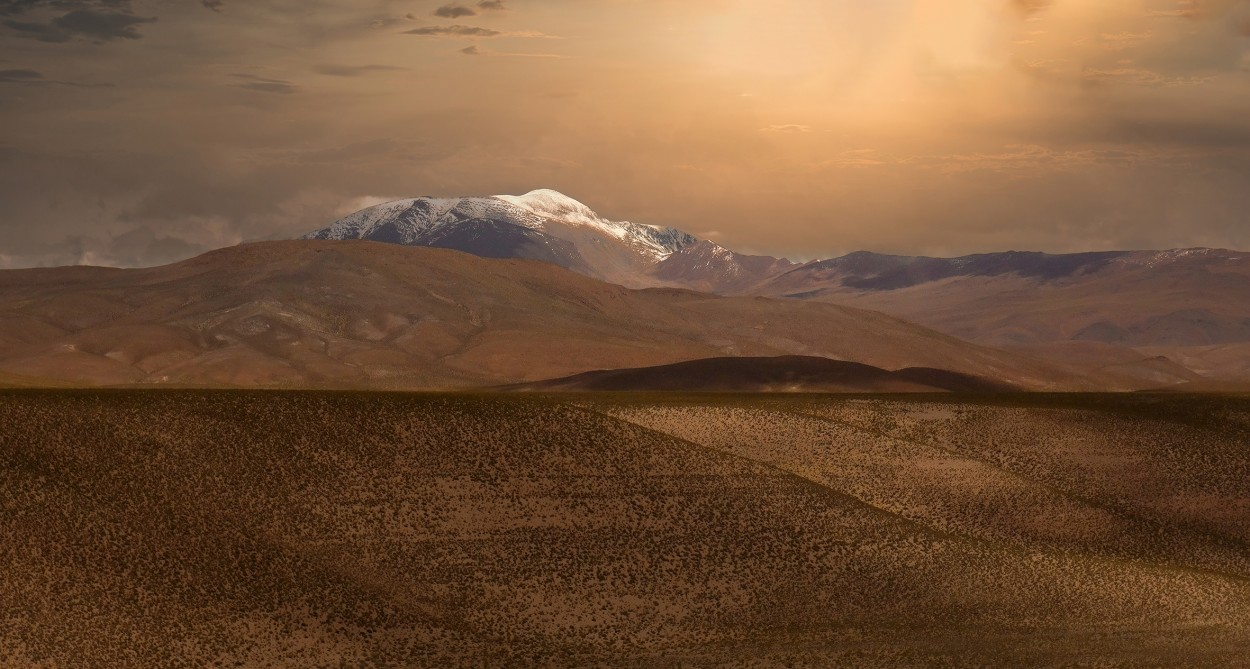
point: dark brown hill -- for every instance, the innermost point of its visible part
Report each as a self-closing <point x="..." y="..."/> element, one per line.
<point x="777" y="374"/>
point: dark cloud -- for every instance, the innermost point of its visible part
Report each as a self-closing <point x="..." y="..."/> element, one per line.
<point x="453" y="31"/>
<point x="214" y="5"/>
<point x="353" y="70"/>
<point x="19" y="75"/>
<point x="95" y="20"/>
<point x="103" y="26"/>
<point x="492" y="5"/>
<point x="387" y="21"/>
<point x="454" y="11"/>
<point x="14" y="7"/>
<point x="35" y="78"/>
<point x="265" y="85"/>
<point x="473" y="50"/>
<point x="40" y="31"/>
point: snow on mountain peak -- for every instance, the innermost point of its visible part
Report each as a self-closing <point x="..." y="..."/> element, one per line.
<point x="554" y="205"/>
<point x="651" y="240"/>
<point x="543" y="210"/>
<point x="545" y="201"/>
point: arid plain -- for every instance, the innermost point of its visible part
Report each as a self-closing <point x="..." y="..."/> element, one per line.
<point x="331" y="529"/>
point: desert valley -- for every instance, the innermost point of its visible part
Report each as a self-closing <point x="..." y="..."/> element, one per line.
<point x="585" y="334"/>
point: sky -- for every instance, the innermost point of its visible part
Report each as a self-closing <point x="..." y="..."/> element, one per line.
<point x="139" y="132"/>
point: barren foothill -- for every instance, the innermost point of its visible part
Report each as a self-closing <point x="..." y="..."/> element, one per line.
<point x="279" y="529"/>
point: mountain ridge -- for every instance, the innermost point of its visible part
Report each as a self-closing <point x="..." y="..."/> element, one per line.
<point x="365" y="314"/>
<point x="552" y="227"/>
<point x="1183" y="297"/>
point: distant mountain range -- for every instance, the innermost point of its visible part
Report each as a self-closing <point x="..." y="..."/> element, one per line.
<point x="356" y="314"/>
<point x="1178" y="298"/>
<point x="559" y="291"/>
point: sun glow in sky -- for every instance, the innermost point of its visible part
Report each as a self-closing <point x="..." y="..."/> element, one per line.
<point x="143" y="131"/>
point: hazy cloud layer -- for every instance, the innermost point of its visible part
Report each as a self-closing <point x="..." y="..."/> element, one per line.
<point x="799" y="127"/>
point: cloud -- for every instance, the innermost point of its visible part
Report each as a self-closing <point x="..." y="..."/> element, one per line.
<point x="137" y="247"/>
<point x="475" y="50"/>
<point x="265" y="84"/>
<point x="787" y="128"/>
<point x="492" y="5"/>
<point x="453" y="31"/>
<point x="19" y="75"/>
<point x="1124" y="40"/>
<point x="40" y="31"/>
<point x="35" y="78"/>
<point x="214" y="5"/>
<point x="472" y="32"/>
<point x="1029" y="7"/>
<point x="352" y="70"/>
<point x="98" y="21"/>
<point x="454" y="11"/>
<point x="14" y="7"/>
<point x="103" y="26"/>
<point x="1136" y="75"/>
<point x="1185" y="9"/>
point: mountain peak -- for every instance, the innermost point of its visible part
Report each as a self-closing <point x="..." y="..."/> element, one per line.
<point x="547" y="202"/>
<point x="548" y="225"/>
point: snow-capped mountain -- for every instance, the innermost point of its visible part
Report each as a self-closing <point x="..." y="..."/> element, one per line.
<point x="550" y="226"/>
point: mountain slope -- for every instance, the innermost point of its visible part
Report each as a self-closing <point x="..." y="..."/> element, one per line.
<point x="362" y="314"/>
<point x="1179" y="298"/>
<point x="1193" y="297"/>
<point x="552" y="227"/>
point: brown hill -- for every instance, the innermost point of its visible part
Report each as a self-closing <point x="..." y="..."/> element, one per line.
<point x="364" y="314"/>
<point x="777" y="374"/>
<point x="1180" y="298"/>
<point x="313" y="529"/>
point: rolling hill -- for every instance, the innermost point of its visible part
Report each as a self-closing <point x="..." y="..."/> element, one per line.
<point x="363" y="314"/>
<point x="790" y="374"/>
<point x="1190" y="297"/>
<point x="1179" y="298"/>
